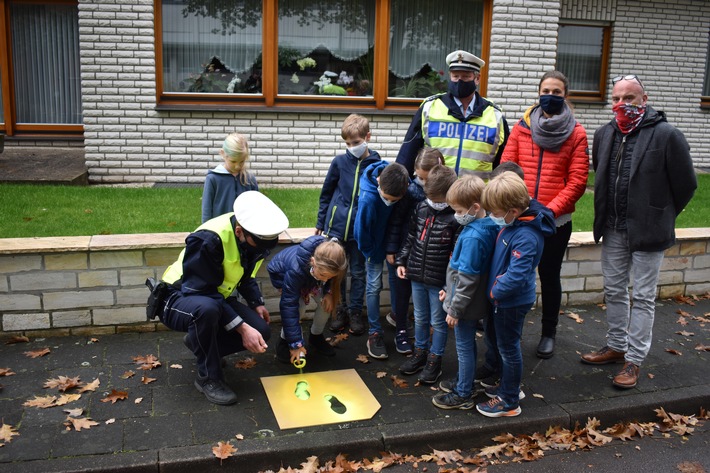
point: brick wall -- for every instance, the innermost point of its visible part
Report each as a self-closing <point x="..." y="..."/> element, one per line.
<point x="128" y="140"/>
<point x="95" y="285"/>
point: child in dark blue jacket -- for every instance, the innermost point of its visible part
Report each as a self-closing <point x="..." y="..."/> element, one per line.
<point x="381" y="186"/>
<point x="524" y="223"/>
<point x="314" y="268"/>
<point x="336" y="216"/>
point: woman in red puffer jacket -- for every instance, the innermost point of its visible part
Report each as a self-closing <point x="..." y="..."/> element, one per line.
<point x="551" y="148"/>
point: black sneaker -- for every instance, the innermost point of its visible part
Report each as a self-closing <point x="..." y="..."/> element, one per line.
<point x="452" y="401"/>
<point x="432" y="369"/>
<point x="376" y="346"/>
<point x="341" y="321"/>
<point x="448" y="385"/>
<point x="415" y="362"/>
<point x="216" y="391"/>
<point x="321" y="345"/>
<point x="357" y="324"/>
<point x="401" y="342"/>
<point x="283" y="353"/>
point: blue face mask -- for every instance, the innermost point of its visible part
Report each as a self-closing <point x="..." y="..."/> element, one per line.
<point x="500" y="221"/>
<point x="388" y="203"/>
<point x="552" y="104"/>
<point x="462" y="88"/>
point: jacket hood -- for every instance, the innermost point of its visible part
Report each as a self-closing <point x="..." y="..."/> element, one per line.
<point x="538" y="216"/>
<point x="368" y="183"/>
<point x="219" y="169"/>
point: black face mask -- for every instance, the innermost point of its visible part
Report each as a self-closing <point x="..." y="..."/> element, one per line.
<point x="552" y="104"/>
<point x="462" y="88"/>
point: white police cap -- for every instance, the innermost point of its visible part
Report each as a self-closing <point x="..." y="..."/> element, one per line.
<point x="464" y="61"/>
<point x="258" y="215"/>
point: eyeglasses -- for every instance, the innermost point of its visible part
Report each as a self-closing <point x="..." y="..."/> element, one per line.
<point x="627" y="77"/>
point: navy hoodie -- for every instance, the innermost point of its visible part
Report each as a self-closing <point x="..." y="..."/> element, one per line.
<point x="516" y="255"/>
<point x="372" y="215"/>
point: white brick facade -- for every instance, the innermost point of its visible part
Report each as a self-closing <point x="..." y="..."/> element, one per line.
<point x="128" y="140"/>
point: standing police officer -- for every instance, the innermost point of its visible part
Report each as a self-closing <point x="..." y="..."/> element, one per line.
<point x="222" y="255"/>
<point x="469" y="130"/>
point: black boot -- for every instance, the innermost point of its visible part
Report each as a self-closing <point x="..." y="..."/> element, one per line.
<point x="432" y="370"/>
<point x="415" y="362"/>
<point x="341" y="319"/>
<point x="546" y="347"/>
<point x="357" y="324"/>
<point x="321" y="345"/>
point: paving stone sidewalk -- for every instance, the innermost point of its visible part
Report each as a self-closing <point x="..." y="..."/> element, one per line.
<point x="173" y="428"/>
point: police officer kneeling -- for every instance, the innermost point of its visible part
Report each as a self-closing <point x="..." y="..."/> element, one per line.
<point x="222" y="255"/>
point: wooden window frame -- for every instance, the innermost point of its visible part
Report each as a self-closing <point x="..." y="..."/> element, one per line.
<point x="586" y="96"/>
<point x="269" y="98"/>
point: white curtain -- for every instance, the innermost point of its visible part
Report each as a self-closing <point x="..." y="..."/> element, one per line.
<point x="45" y="54"/>
<point x="191" y="40"/>
<point x="579" y="55"/>
<point x="424" y="31"/>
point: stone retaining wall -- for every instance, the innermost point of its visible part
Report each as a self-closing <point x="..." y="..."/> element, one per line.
<point x="95" y="284"/>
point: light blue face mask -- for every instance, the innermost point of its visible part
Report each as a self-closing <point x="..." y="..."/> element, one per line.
<point x="388" y="203"/>
<point x="500" y="221"/>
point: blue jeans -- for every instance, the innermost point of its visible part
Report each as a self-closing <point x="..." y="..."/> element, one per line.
<point x="429" y="312"/>
<point x="509" y="328"/>
<point x="629" y="329"/>
<point x="356" y="265"/>
<point x="374" y="286"/>
<point x="465" y="332"/>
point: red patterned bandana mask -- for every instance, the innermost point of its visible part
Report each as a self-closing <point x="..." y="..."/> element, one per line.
<point x="628" y="116"/>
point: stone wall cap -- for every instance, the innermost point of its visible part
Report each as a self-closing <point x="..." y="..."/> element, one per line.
<point x="9" y="246"/>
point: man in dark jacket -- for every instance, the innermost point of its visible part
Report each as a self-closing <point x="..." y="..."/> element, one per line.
<point x="644" y="179"/>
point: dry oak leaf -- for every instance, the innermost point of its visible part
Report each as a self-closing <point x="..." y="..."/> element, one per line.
<point x="690" y="467"/>
<point x="17" y="339"/>
<point x="381" y="374"/>
<point x="681" y="320"/>
<point x="6" y="372"/>
<point x="493" y="450"/>
<point x="62" y="383"/>
<point x="575" y="317"/>
<point x="42" y="402"/>
<point x="147" y="362"/>
<point x="621" y="431"/>
<point x="399" y="382"/>
<point x="147" y="380"/>
<point x="448" y="456"/>
<point x="341" y="337"/>
<point x="683" y="313"/>
<point x="110" y="421"/>
<point x="79" y="423"/>
<point x="684" y="300"/>
<point x="6" y="433"/>
<point x="223" y="450"/>
<point x="310" y="465"/>
<point x="92" y="386"/>
<point x="176" y="366"/>
<point x="239" y="437"/>
<point x="245" y="363"/>
<point x="67" y="398"/>
<point x="701" y="347"/>
<point x="138" y="400"/>
<point x="36" y="353"/>
<point x="685" y="334"/>
<point x="115" y="396"/>
<point x="74" y="412"/>
<point x="362" y="358"/>
<point x="673" y="351"/>
<point x="128" y="374"/>
<point x="94" y="340"/>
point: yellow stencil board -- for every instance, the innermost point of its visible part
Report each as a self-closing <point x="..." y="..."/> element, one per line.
<point x="327" y="397"/>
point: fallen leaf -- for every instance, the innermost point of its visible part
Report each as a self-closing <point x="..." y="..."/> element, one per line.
<point x="245" y="363"/>
<point x="6" y="433"/>
<point x="67" y="398"/>
<point x="701" y="347"/>
<point x="651" y="375"/>
<point x="42" y="402"/>
<point x="539" y="396"/>
<point x="673" y="351"/>
<point x="683" y="313"/>
<point x="223" y="450"/>
<point x="6" y="372"/>
<point x="138" y="400"/>
<point x="381" y="374"/>
<point x="74" y="412"/>
<point x="36" y="353"/>
<point x="362" y="358"/>
<point x="147" y="362"/>
<point x="110" y="421"/>
<point x="335" y="341"/>
<point x="684" y="300"/>
<point x="399" y="382"/>
<point x="92" y="386"/>
<point x="79" y="423"/>
<point x="685" y="334"/>
<point x="17" y="339"/>
<point x="147" y="380"/>
<point x="239" y="437"/>
<point x="690" y="467"/>
<point x="62" y="383"/>
<point x="128" y="374"/>
<point x="176" y="366"/>
<point x="681" y="320"/>
<point x="115" y="396"/>
<point x="575" y="317"/>
<point x="94" y="340"/>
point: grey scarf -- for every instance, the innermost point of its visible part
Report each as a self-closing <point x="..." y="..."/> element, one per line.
<point x="550" y="133"/>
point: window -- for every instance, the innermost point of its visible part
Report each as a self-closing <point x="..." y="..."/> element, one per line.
<point x="42" y="88"/>
<point x="582" y="55"/>
<point x="705" y="99"/>
<point x="367" y="53"/>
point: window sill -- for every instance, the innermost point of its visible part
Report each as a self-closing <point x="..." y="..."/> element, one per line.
<point x="330" y="108"/>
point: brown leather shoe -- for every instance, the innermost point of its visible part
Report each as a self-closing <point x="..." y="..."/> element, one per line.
<point x="627" y="377"/>
<point x="604" y="356"/>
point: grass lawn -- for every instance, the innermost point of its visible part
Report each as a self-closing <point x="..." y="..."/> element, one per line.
<point x="44" y="210"/>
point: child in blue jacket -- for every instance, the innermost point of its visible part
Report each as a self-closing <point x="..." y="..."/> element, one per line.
<point x="336" y="216"/>
<point x="381" y="186"/>
<point x="524" y="223"/>
<point x="314" y="268"/>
